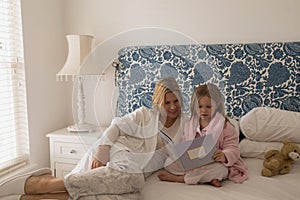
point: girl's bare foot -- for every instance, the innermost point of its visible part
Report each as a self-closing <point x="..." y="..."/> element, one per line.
<point x="167" y="176"/>
<point x="216" y="183"/>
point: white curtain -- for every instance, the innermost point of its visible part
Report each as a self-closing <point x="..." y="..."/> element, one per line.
<point x="14" y="145"/>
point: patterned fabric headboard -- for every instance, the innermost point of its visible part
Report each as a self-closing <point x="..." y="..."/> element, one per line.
<point x="249" y="75"/>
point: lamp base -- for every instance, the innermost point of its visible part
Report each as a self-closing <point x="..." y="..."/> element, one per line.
<point x="82" y="128"/>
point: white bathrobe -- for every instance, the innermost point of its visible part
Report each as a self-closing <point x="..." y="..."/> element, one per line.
<point x="133" y="140"/>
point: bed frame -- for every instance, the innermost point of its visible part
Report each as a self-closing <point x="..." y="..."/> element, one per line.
<point x="249" y="76"/>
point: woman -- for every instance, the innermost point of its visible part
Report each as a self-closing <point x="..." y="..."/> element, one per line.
<point x="131" y="143"/>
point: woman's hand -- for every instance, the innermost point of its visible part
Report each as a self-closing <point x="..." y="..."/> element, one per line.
<point x="96" y="163"/>
<point x="101" y="157"/>
<point x="219" y="156"/>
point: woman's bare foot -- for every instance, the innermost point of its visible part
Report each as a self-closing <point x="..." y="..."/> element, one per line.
<point x="167" y="176"/>
<point x="216" y="183"/>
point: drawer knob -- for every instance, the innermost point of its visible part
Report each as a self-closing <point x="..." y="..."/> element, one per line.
<point x="72" y="151"/>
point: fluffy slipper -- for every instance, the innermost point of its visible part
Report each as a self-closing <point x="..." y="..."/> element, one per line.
<point x="11" y="197"/>
<point x="15" y="185"/>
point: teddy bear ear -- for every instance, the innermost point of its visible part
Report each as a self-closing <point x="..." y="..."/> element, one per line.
<point x="286" y="141"/>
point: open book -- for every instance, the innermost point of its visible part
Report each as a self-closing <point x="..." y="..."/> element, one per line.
<point x="192" y="153"/>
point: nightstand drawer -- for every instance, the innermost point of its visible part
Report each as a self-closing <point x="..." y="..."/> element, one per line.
<point x="62" y="169"/>
<point x="69" y="150"/>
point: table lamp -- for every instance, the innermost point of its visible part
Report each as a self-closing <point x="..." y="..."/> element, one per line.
<point x="79" y="47"/>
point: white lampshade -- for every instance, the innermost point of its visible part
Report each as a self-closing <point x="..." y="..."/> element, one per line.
<point x="79" y="47"/>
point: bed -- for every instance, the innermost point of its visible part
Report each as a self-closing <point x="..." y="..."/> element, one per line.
<point x="261" y="87"/>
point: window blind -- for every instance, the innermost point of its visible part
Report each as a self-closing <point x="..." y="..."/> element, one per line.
<point x="14" y="144"/>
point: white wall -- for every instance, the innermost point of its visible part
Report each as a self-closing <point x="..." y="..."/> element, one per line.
<point x="45" y="53"/>
<point x="214" y="21"/>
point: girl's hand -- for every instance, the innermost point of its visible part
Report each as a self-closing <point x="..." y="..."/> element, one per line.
<point x="96" y="163"/>
<point x="219" y="156"/>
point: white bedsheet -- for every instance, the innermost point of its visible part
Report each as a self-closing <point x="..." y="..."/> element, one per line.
<point x="281" y="187"/>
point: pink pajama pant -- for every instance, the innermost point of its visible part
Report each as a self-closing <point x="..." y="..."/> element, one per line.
<point x="202" y="174"/>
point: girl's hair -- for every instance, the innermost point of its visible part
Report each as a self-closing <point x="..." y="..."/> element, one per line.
<point x="163" y="87"/>
<point x="209" y="90"/>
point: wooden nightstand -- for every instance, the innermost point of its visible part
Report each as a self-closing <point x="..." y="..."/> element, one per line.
<point x="66" y="149"/>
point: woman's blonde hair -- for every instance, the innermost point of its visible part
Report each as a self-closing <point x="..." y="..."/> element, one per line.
<point x="209" y="90"/>
<point x="163" y="87"/>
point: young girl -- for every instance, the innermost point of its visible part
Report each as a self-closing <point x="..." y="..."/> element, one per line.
<point x="208" y="117"/>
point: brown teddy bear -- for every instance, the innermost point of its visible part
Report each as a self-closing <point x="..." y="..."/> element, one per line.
<point x="279" y="162"/>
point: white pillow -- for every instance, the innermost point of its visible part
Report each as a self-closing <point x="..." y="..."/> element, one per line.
<point x="255" y="149"/>
<point x="271" y="125"/>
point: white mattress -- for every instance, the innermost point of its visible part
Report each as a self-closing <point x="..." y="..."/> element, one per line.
<point x="281" y="187"/>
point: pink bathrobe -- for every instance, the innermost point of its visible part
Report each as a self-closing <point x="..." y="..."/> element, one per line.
<point x="227" y="140"/>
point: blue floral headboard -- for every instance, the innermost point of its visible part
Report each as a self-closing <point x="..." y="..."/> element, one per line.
<point x="249" y="75"/>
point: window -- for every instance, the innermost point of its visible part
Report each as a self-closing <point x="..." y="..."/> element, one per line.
<point x="14" y="145"/>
